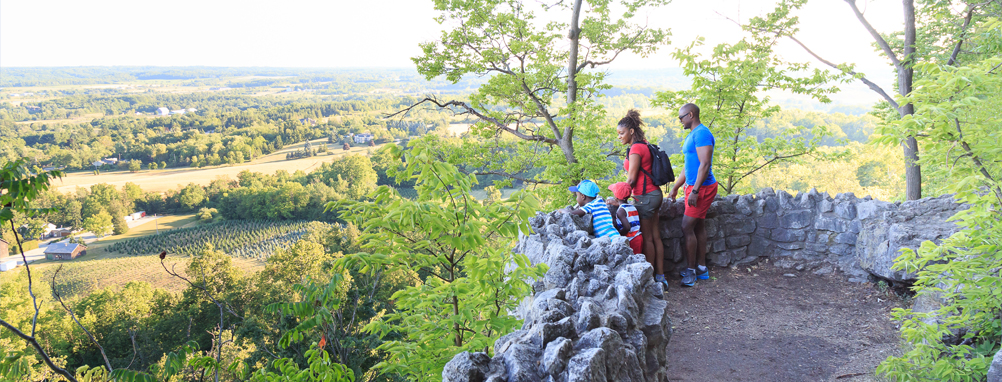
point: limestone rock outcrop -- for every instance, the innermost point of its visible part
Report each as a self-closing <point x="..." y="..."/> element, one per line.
<point x="597" y="314"/>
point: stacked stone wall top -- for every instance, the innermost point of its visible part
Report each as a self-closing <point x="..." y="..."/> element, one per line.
<point x="596" y="315"/>
<point x="814" y="231"/>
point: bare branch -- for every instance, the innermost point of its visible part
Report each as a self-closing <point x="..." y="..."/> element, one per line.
<point x="509" y="175"/>
<point x="873" y="32"/>
<point x="45" y="356"/>
<point x="27" y="268"/>
<point x="55" y="293"/>
<point x="470" y="110"/>
<point x="873" y="86"/>
<point x="963" y="31"/>
<point x="977" y="161"/>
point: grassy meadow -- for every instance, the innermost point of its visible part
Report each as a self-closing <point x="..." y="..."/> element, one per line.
<point x="168" y="179"/>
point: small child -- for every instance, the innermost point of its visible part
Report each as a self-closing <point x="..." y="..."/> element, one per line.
<point x="587" y="198"/>
<point x="627" y="218"/>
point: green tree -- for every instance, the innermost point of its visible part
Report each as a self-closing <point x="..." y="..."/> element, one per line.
<point x="135" y="165"/>
<point x="537" y="108"/>
<point x="457" y="250"/>
<point x="99" y="224"/>
<point x="947" y="32"/>
<point x="120" y="226"/>
<point x="729" y="88"/>
<point x="957" y="121"/>
<point x="191" y="196"/>
<point x="152" y="166"/>
<point x="163" y="165"/>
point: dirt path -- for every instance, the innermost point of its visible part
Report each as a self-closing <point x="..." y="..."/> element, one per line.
<point x="763" y="323"/>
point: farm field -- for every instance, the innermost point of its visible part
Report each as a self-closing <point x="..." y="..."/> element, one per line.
<point x="97" y="249"/>
<point x="248" y="242"/>
<point x="163" y="180"/>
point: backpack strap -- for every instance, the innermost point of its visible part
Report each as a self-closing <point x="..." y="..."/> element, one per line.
<point x="649" y="177"/>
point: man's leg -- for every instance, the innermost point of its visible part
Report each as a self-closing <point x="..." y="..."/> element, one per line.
<point x="691" y="241"/>
<point x="700" y="231"/>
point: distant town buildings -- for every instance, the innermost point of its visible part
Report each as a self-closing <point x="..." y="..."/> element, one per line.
<point x="362" y="138"/>
<point x="102" y="162"/>
<point x="163" y="111"/>
<point x="4" y="248"/>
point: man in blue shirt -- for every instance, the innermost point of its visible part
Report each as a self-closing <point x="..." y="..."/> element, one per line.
<point x="700" y="190"/>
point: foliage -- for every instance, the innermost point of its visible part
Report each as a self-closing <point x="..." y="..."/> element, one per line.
<point x="100" y="224"/>
<point x="729" y="87"/>
<point x="882" y="170"/>
<point x="456" y="248"/>
<point x="537" y="108"/>
<point x="320" y="368"/>
<point x="957" y="121"/>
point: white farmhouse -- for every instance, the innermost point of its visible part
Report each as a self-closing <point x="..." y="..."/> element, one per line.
<point x="163" y="111"/>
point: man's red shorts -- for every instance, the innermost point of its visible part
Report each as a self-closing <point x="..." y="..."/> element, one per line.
<point x="703" y="201"/>
<point x="637" y="244"/>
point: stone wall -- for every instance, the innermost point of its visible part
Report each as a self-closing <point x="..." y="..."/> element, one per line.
<point x="597" y="314"/>
<point x="814" y="231"/>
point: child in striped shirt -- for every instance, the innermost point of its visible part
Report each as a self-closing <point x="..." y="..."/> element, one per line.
<point x="627" y="218"/>
<point x="587" y="198"/>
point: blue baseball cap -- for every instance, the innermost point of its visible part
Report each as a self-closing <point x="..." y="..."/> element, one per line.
<point x="586" y="187"/>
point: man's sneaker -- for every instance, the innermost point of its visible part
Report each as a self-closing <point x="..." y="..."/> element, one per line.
<point x="688" y="277"/>
<point x="703" y="274"/>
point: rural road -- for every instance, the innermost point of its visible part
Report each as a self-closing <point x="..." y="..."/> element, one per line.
<point x="39" y="253"/>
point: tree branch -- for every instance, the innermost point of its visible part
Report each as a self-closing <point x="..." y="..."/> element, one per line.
<point x="45" y="356"/>
<point x="34" y="302"/>
<point x="963" y="31"/>
<point x="508" y="175"/>
<point x="470" y="110"/>
<point x="873" y="32"/>
<point x="55" y="293"/>
<point x="776" y="158"/>
<point x="977" y="161"/>
<point x="873" y="86"/>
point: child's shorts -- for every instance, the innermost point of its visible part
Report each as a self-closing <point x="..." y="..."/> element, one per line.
<point x="637" y="244"/>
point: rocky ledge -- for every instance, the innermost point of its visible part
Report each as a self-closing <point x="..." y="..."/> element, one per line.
<point x="597" y="314"/>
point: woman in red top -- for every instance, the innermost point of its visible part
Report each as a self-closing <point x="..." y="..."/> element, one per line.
<point x="647" y="196"/>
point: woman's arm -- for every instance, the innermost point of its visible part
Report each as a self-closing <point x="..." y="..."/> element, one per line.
<point x="634" y="170"/>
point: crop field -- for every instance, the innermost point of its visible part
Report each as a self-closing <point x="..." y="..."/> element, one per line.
<point x="163" y="180"/>
<point x="162" y="223"/>
<point x="133" y="257"/>
<point x="256" y="239"/>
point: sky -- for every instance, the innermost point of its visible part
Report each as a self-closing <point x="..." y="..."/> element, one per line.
<point x="352" y="33"/>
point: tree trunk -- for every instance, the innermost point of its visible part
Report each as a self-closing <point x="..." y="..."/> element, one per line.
<point x="567" y="139"/>
<point x="913" y="172"/>
<point x="572" y="62"/>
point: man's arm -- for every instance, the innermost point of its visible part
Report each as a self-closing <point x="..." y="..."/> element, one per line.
<point x="679" y="181"/>
<point x="705" y="154"/>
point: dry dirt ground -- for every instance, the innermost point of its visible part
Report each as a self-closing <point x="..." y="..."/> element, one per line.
<point x="762" y="323"/>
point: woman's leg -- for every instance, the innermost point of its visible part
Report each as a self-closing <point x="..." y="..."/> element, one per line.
<point x="647" y="234"/>
<point x="659" y="247"/>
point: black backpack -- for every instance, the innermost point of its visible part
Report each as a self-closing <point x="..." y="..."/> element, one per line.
<point x="661" y="171"/>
